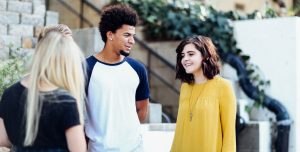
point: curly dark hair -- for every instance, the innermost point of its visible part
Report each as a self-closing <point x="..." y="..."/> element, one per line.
<point x="114" y="17"/>
<point x="210" y="63"/>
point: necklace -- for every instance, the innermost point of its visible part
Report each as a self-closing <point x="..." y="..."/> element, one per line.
<point x="191" y="108"/>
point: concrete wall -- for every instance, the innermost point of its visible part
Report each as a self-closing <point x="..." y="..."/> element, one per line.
<point x="274" y="45"/>
<point x="247" y="6"/>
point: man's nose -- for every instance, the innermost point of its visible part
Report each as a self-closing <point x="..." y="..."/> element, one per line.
<point x="131" y="40"/>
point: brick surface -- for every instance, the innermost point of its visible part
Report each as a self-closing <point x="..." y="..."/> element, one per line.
<point x="9" y="18"/>
<point x="39" y="9"/>
<point x="4" y="55"/>
<point x="22" y="52"/>
<point x="3" y="4"/>
<point x="29" y="42"/>
<point x="20" y="7"/>
<point x="30" y="19"/>
<point x="34" y="1"/>
<point x="39" y="1"/>
<point x="51" y="18"/>
<point x="21" y="30"/>
<point x="38" y="30"/>
<point x="3" y="29"/>
<point x="10" y="41"/>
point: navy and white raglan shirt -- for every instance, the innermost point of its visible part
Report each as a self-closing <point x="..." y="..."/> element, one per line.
<point x="112" y="122"/>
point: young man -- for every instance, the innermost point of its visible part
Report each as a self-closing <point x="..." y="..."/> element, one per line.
<point x="117" y="89"/>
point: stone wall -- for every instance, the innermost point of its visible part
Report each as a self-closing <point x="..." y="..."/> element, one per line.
<point x="20" y="23"/>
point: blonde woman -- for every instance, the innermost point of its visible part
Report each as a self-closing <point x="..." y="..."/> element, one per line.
<point x="43" y="111"/>
<point x="207" y="104"/>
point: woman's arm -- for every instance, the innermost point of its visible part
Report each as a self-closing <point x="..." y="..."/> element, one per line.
<point x="228" y="115"/>
<point x="76" y="139"/>
<point x="4" y="141"/>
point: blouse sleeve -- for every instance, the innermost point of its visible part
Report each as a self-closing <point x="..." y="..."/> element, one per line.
<point x="70" y="115"/>
<point x="228" y="115"/>
<point x="2" y="104"/>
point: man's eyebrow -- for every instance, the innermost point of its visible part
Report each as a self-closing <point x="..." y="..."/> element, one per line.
<point x="126" y="33"/>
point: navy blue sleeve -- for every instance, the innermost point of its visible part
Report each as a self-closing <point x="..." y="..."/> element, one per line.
<point x="143" y="91"/>
<point x="90" y="61"/>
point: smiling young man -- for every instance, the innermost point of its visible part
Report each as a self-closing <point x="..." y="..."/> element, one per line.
<point x="117" y="88"/>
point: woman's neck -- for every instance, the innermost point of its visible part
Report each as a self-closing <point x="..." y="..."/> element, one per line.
<point x="42" y="87"/>
<point x="199" y="77"/>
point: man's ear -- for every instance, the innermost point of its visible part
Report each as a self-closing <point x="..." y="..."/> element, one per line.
<point x="109" y="35"/>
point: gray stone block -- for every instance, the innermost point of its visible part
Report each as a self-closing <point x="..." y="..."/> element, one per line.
<point x="155" y="113"/>
<point x="37" y="30"/>
<point x="39" y="9"/>
<point x="3" y="5"/>
<point x="30" y="19"/>
<point x="10" y="41"/>
<point x="20" y="7"/>
<point x="21" y="30"/>
<point x="4" y="53"/>
<point x="9" y="18"/>
<point x="22" y="52"/>
<point x="38" y="1"/>
<point x="29" y="42"/>
<point x="3" y="29"/>
<point x="52" y="18"/>
<point x="26" y="0"/>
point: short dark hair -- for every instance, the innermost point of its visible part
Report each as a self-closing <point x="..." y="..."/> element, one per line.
<point x="114" y="17"/>
<point x="210" y="63"/>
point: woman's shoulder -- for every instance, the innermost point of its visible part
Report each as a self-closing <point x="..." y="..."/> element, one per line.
<point x="16" y="88"/>
<point x="221" y="82"/>
<point x="185" y="85"/>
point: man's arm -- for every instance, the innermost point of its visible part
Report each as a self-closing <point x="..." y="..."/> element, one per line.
<point x="142" y="109"/>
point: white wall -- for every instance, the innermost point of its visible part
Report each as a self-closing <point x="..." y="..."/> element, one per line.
<point x="274" y="45"/>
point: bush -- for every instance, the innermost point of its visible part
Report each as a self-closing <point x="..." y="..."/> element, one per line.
<point x="11" y="70"/>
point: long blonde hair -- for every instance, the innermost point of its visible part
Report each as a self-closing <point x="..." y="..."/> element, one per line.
<point x="58" y="61"/>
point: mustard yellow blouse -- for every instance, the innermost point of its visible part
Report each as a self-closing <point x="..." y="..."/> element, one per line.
<point x="206" y="117"/>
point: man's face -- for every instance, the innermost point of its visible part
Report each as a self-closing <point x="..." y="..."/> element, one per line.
<point x="123" y="39"/>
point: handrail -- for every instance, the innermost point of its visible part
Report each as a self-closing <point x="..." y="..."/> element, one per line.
<point x="164" y="114"/>
<point x="92" y="6"/>
<point x="164" y="81"/>
<point x="144" y="45"/>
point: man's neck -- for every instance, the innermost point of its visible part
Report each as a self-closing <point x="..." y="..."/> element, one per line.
<point x="109" y="56"/>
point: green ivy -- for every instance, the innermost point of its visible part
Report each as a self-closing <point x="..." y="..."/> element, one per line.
<point x="175" y="20"/>
<point x="11" y="70"/>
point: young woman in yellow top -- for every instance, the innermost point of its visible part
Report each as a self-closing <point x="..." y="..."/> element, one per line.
<point x="207" y="104"/>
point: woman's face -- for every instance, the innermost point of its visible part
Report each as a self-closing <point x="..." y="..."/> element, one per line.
<point x="191" y="59"/>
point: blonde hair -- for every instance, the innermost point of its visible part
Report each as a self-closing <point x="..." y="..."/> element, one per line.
<point x="57" y="61"/>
